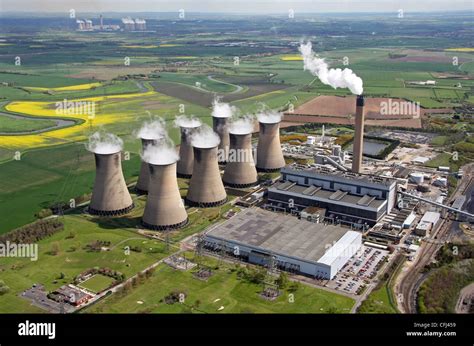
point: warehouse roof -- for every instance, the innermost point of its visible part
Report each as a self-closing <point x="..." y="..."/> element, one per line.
<point x="280" y="234"/>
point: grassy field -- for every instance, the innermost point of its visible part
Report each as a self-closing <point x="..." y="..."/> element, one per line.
<point x="223" y="289"/>
<point x="97" y="283"/>
<point x="14" y="125"/>
<point x="378" y="302"/>
<point x="74" y="258"/>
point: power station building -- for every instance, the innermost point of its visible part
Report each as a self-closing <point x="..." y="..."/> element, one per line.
<point x="271" y="239"/>
<point x="346" y="196"/>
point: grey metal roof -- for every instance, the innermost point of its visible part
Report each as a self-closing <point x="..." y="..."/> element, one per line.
<point x="279" y="233"/>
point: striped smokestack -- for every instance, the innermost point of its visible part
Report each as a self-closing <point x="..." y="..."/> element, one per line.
<point x="110" y="196"/>
<point x="359" y="135"/>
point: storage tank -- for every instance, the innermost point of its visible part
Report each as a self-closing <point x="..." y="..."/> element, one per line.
<point x="417" y="178"/>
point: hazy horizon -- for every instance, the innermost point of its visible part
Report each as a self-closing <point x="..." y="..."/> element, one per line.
<point x="235" y="7"/>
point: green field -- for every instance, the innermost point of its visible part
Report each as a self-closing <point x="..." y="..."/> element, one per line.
<point x="97" y="283"/>
<point x="13" y="125"/>
<point x="73" y="258"/>
<point x="223" y="288"/>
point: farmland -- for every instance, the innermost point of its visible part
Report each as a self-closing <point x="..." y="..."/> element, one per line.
<point x="180" y="68"/>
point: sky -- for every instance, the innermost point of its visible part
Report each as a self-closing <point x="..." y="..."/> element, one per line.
<point x="235" y="6"/>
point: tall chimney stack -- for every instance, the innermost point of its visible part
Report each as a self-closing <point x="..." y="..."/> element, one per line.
<point x="186" y="155"/>
<point x="164" y="207"/>
<point x="269" y="155"/>
<point x="220" y="126"/>
<point x="110" y="196"/>
<point x="144" y="177"/>
<point x="205" y="186"/>
<point x="359" y="135"/>
<point x="240" y="171"/>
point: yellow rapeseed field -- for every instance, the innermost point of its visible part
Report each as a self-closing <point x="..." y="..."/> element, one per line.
<point x="74" y="133"/>
<point x="291" y="58"/>
<point x="68" y="88"/>
<point x="461" y="49"/>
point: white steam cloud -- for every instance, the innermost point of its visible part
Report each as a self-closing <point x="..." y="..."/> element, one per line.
<point x="204" y="137"/>
<point x="187" y="121"/>
<point x="241" y="126"/>
<point x="334" y="77"/>
<point x="153" y="129"/>
<point x="104" y="143"/>
<point x="160" y="153"/>
<point x="269" y="117"/>
<point x="222" y="110"/>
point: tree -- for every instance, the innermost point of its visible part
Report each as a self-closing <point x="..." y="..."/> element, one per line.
<point x="54" y="248"/>
<point x="282" y="280"/>
<point x="3" y="288"/>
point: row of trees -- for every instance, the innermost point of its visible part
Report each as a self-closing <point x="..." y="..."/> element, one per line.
<point x="34" y="232"/>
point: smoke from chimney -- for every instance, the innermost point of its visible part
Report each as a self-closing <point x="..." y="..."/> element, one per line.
<point x="335" y="77"/>
<point x="102" y="142"/>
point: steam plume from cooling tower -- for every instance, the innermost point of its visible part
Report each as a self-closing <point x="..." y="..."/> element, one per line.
<point x="153" y="129"/>
<point x="241" y="126"/>
<point x="204" y="137"/>
<point x="102" y="142"/>
<point x="334" y="77"/>
<point x="222" y="110"/>
<point x="269" y="117"/>
<point x="161" y="153"/>
<point x="187" y="121"/>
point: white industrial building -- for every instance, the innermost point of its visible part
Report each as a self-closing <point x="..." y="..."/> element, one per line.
<point x="267" y="238"/>
<point x="427" y="223"/>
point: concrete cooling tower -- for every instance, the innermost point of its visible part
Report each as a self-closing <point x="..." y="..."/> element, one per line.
<point x="359" y="135"/>
<point x="240" y="171"/>
<point x="205" y="187"/>
<point x="269" y="155"/>
<point x="164" y="207"/>
<point x="144" y="177"/>
<point x="220" y="126"/>
<point x="185" y="163"/>
<point x="110" y="196"/>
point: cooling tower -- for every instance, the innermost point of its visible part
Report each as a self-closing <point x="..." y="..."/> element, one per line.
<point x="358" y="136"/>
<point x="185" y="163"/>
<point x="164" y="207"/>
<point x="240" y="171"/>
<point x="144" y="177"/>
<point x="220" y="126"/>
<point x="110" y="196"/>
<point x="205" y="187"/>
<point x="269" y="154"/>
